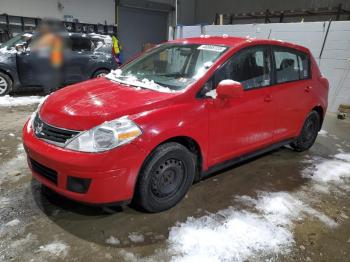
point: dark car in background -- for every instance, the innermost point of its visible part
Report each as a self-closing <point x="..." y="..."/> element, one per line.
<point x="90" y="56"/>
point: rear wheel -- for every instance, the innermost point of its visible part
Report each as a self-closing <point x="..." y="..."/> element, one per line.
<point x="5" y="84"/>
<point x="165" y="178"/>
<point x="308" y="133"/>
<point x="100" y="73"/>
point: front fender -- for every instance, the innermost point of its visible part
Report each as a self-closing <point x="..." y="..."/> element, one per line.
<point x="179" y="120"/>
<point x="8" y="66"/>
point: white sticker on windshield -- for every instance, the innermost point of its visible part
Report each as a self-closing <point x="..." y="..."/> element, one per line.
<point x="213" y="48"/>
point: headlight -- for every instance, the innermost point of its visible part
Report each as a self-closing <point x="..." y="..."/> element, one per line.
<point x="106" y="136"/>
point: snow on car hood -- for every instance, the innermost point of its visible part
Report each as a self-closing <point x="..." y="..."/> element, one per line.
<point x="116" y="75"/>
<point x="88" y="104"/>
<point x="4" y="50"/>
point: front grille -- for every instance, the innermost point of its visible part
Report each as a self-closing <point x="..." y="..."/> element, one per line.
<point x="44" y="171"/>
<point x="51" y="133"/>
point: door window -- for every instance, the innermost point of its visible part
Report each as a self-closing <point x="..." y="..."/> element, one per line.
<point x="304" y="66"/>
<point x="251" y="67"/>
<point x="290" y="65"/>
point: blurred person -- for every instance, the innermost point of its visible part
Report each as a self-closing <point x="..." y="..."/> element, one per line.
<point x="48" y="46"/>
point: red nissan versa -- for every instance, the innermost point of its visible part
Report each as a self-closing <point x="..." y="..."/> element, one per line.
<point x="176" y="113"/>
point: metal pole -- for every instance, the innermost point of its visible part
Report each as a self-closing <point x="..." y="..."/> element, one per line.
<point x="175" y="12"/>
<point x="324" y="40"/>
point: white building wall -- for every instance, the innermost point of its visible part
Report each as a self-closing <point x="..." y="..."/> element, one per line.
<point x="87" y="11"/>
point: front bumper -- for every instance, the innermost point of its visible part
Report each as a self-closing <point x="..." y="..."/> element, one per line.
<point x="112" y="174"/>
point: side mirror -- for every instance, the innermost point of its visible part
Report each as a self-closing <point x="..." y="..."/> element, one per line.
<point x="20" y="48"/>
<point x="229" y="89"/>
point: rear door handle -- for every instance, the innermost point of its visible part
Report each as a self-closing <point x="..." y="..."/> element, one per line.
<point x="268" y="98"/>
<point x="308" y="88"/>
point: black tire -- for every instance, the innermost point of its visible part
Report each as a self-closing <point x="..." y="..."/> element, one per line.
<point x="100" y="73"/>
<point x="308" y="133"/>
<point x="165" y="177"/>
<point x="6" y="84"/>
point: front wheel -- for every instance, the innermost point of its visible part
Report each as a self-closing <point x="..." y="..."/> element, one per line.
<point x="5" y="84"/>
<point x="308" y="133"/>
<point x="165" y="178"/>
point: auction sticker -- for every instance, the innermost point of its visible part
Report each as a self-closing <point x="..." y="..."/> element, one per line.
<point x="214" y="48"/>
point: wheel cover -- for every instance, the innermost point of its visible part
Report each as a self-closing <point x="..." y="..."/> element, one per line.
<point x="3" y="85"/>
<point x="168" y="178"/>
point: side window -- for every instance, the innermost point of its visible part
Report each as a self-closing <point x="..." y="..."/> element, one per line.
<point x="251" y="67"/>
<point x="290" y="65"/>
<point x="304" y="66"/>
<point x="81" y="44"/>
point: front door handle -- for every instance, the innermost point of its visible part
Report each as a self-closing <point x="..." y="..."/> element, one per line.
<point x="268" y="98"/>
<point x="308" y="89"/>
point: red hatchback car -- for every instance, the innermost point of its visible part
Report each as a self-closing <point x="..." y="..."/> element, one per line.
<point x="178" y="112"/>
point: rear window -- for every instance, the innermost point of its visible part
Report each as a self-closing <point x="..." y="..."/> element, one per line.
<point x="80" y="44"/>
<point x="291" y="65"/>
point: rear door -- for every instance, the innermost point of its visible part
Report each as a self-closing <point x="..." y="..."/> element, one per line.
<point x="292" y="90"/>
<point x="245" y="124"/>
<point x="78" y="62"/>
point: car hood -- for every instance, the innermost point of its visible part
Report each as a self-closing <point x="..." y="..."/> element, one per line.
<point x="88" y="104"/>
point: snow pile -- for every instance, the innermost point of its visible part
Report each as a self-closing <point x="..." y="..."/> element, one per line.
<point x="238" y="235"/>
<point x="112" y="240"/>
<point x="55" y="248"/>
<point x="333" y="171"/>
<point x="234" y="237"/>
<point x="116" y="75"/>
<point x="322" y="133"/>
<point x="343" y="156"/>
<point x="12" y="223"/>
<point x="264" y="226"/>
<point x="107" y="39"/>
<point x="20" y="101"/>
<point x="136" y="237"/>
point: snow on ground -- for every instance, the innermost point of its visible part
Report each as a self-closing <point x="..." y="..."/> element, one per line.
<point x="264" y="226"/>
<point x="20" y="101"/>
<point x="238" y="235"/>
<point x="136" y="237"/>
<point x="112" y="240"/>
<point x="56" y="248"/>
<point x="12" y="223"/>
<point x="323" y="133"/>
<point x="12" y="169"/>
<point x="333" y="171"/>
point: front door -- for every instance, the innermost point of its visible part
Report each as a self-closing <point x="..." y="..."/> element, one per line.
<point x="29" y="67"/>
<point x="242" y="125"/>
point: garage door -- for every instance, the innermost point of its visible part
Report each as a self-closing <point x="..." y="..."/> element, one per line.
<point x="138" y="26"/>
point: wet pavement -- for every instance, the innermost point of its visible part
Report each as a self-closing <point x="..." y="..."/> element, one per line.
<point x="38" y="225"/>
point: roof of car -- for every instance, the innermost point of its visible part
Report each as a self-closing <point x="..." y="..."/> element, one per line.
<point x="237" y="41"/>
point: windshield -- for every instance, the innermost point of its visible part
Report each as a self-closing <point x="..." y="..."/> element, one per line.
<point x="169" y="67"/>
<point x="18" y="39"/>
